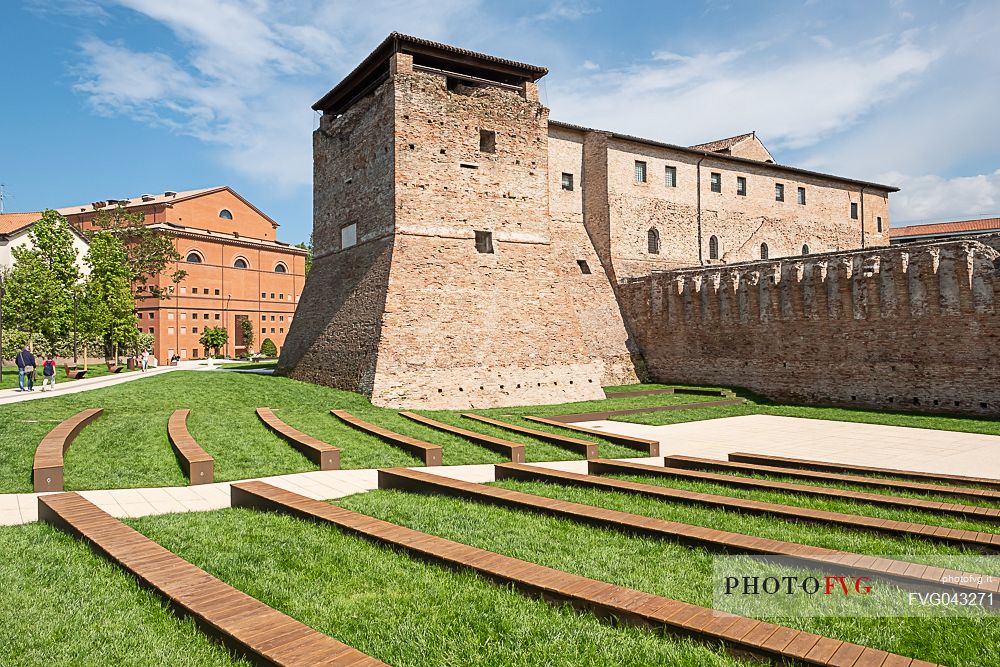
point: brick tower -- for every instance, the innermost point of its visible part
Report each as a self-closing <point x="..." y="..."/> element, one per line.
<point x="435" y="281"/>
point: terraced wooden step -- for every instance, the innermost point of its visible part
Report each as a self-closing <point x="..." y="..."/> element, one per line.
<point x="428" y="453"/>
<point x="47" y="468"/>
<point x="197" y="464"/>
<point x="875" y="482"/>
<point x="828" y="466"/>
<point x="607" y="414"/>
<point x="650" y="447"/>
<point x="709" y="538"/>
<point x="323" y="454"/>
<point x="512" y="450"/>
<point x="247" y="625"/>
<point x="626" y="605"/>
<point x="613" y="467"/>
<point x="966" y="538"/>
<point x="586" y="447"/>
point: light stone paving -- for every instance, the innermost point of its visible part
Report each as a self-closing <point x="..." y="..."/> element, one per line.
<point x="864" y="444"/>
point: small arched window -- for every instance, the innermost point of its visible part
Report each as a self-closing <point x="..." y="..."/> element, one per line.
<point x="763" y="251"/>
<point x="653" y="241"/>
<point x="193" y="258"/>
<point x="226" y="214"/>
<point x="713" y="247"/>
<point x="280" y="268"/>
<point x="805" y="249"/>
<point x="241" y="263"/>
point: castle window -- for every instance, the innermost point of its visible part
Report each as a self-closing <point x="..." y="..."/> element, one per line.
<point x="348" y="236"/>
<point x="763" y="251"/>
<point x="280" y="268"/>
<point x="226" y="214"/>
<point x="487" y="141"/>
<point x="741" y="186"/>
<point x="713" y="247"/>
<point x="193" y="258"/>
<point x="216" y="292"/>
<point x="241" y="263"/>
<point x="716" y="181"/>
<point x="805" y="249"/>
<point x="854" y="210"/>
<point x="779" y="192"/>
<point x="584" y="267"/>
<point x="671" y="177"/>
<point x="653" y="241"/>
<point x="567" y="181"/>
<point x="640" y="172"/>
<point x="802" y="196"/>
<point x="878" y="224"/>
<point x="484" y="242"/>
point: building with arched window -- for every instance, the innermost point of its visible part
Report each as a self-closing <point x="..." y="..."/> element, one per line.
<point x="235" y="267"/>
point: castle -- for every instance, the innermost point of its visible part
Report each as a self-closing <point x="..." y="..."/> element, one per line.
<point x="471" y="252"/>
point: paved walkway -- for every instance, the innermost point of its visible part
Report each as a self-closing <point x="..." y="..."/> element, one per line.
<point x="865" y="444"/>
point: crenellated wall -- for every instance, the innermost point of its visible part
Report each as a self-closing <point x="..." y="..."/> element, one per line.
<point x="911" y="328"/>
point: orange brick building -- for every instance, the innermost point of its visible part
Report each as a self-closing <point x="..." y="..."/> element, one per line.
<point x="236" y="269"/>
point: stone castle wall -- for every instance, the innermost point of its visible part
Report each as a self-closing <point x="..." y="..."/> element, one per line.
<point x="909" y="328"/>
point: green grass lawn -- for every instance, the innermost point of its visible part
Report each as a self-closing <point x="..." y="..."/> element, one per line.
<point x="250" y="365"/>
<point x="61" y="604"/>
<point x="128" y="446"/>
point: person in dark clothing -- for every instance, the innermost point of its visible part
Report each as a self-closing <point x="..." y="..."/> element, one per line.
<point x="49" y="373"/>
<point x="25" y="361"/>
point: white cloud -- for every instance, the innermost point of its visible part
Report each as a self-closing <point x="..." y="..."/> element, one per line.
<point x="932" y="198"/>
<point x="590" y="65"/>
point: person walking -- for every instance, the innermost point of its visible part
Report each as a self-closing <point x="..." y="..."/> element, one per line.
<point x="145" y="360"/>
<point x="25" y="361"/>
<point x="49" y="373"/>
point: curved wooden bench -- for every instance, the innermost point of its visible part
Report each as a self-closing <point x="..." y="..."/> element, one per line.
<point x="512" y="450"/>
<point x="586" y="447"/>
<point x="607" y="414"/>
<point x="114" y="368"/>
<point x="323" y="454"/>
<point x="198" y="464"/>
<point x="425" y="451"/>
<point x="613" y="467"/>
<point x="47" y="469"/>
<point x="247" y="625"/>
<point x="651" y="447"/>
<point x="964" y="538"/>
<point x="610" y="601"/>
<point x="827" y="466"/>
<point x="74" y="373"/>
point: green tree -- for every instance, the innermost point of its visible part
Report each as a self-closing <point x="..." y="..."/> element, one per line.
<point x="308" y="247"/>
<point x="107" y="307"/>
<point x="246" y="327"/>
<point x="148" y="252"/>
<point x="268" y="348"/>
<point x="214" y="338"/>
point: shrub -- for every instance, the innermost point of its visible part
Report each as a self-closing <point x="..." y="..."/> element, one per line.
<point x="268" y="348"/>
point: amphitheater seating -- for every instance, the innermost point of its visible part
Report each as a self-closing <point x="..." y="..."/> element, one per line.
<point x="261" y="633"/>
<point x="429" y="453"/>
<point x="74" y="373"/>
<point x="323" y="454"/>
<point x="709" y="538"/>
<point x="47" y="469"/>
<point x="586" y="447"/>
<point x="649" y="447"/>
<point x="625" y="605"/>
<point x="964" y="538"/>
<point x="607" y="414"/>
<point x="613" y="467"/>
<point x="512" y="450"/>
<point x="197" y="464"/>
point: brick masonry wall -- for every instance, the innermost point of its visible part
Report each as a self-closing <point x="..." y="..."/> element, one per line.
<point x="911" y="328"/>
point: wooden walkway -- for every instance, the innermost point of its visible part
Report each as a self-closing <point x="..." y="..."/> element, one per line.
<point x="626" y="605"/>
<point x="586" y="447"/>
<point x="245" y="624"/>
<point x="708" y="538"/>
<point x="598" y="416"/>
<point x="512" y="450"/>
<point x="965" y="538"/>
<point x="827" y="466"/>
<point x="613" y="467"/>
<point x="323" y="454"/>
<point x="197" y="464"/>
<point x="969" y="493"/>
<point x="429" y="453"/>
<point x="47" y="468"/>
<point x="649" y="447"/>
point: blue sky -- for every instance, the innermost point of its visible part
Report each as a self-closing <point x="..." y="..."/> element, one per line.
<point x="115" y="98"/>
